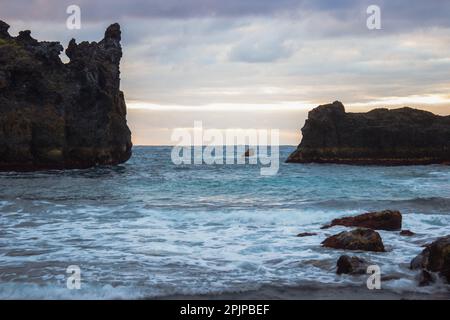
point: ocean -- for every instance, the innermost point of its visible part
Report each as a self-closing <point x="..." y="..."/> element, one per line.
<point x="152" y="229"/>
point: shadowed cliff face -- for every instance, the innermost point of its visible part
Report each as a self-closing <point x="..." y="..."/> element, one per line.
<point x="56" y="115"/>
<point x="387" y="137"/>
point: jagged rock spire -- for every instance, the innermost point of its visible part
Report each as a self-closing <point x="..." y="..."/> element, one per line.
<point x="4" y="27"/>
<point x="61" y="115"/>
<point x="113" y="32"/>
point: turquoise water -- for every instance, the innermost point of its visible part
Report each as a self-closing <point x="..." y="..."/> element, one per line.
<point x="149" y="228"/>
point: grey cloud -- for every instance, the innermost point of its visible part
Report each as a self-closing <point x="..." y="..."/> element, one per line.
<point x="317" y="54"/>
<point x="115" y="9"/>
<point x="397" y="14"/>
<point x="260" y="50"/>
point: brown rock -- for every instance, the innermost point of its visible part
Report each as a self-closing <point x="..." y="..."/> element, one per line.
<point x="407" y="233"/>
<point x="306" y="234"/>
<point x="435" y="257"/>
<point x="359" y="239"/>
<point x="249" y="153"/>
<point x="383" y="220"/>
<point x="351" y="265"/>
<point x="425" y="278"/>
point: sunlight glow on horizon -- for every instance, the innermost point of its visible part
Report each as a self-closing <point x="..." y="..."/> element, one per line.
<point x="235" y="107"/>
<point x="153" y="124"/>
<point x="414" y="101"/>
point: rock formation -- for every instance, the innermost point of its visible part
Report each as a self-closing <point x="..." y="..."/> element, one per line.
<point x="56" y="115"/>
<point x="402" y="136"/>
<point x="435" y="258"/>
<point x="383" y="220"/>
<point x="351" y="265"/>
<point x="306" y="234"/>
<point x="359" y="239"/>
<point x="425" y="278"/>
<point x="407" y="233"/>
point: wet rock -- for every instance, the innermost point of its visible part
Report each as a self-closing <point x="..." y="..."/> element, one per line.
<point x="55" y="115"/>
<point x="306" y="234"/>
<point x="359" y="239"/>
<point x="403" y="136"/>
<point x="4" y="27"/>
<point x="383" y="220"/>
<point x="351" y="265"/>
<point x="425" y="278"/>
<point x="420" y="261"/>
<point x="407" y="233"/>
<point x="435" y="258"/>
<point x="249" y="153"/>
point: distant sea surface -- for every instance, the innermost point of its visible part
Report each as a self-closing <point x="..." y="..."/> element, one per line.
<point x="151" y="229"/>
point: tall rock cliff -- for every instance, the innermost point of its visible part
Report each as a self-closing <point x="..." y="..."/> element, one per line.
<point x="402" y="136"/>
<point x="55" y="115"/>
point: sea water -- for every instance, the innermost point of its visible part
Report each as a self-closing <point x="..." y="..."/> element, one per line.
<point x="149" y="228"/>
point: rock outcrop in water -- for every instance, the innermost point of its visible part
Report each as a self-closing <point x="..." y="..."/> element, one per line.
<point x="359" y="239"/>
<point x="435" y="258"/>
<point x="402" y="136"/>
<point x="56" y="115"/>
<point x="351" y="265"/>
<point x="383" y="220"/>
<point x="407" y="233"/>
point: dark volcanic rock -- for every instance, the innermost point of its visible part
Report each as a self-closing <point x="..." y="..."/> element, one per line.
<point x="402" y="136"/>
<point x="306" y="234"/>
<point x="56" y="115"/>
<point x="249" y="153"/>
<point x="407" y="233"/>
<point x="435" y="257"/>
<point x="383" y="220"/>
<point x="359" y="239"/>
<point x="351" y="265"/>
<point x="425" y="278"/>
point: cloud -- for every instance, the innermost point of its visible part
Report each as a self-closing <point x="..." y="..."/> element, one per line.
<point x="260" y="52"/>
<point x="259" y="45"/>
<point x="317" y="54"/>
<point x="397" y="14"/>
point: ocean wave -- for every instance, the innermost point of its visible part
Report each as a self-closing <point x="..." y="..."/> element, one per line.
<point x="151" y="229"/>
<point x="32" y="291"/>
<point x="423" y="205"/>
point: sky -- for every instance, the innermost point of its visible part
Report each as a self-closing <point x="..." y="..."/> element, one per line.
<point x="257" y="64"/>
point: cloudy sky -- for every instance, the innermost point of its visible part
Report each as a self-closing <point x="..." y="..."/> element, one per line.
<point x="258" y="63"/>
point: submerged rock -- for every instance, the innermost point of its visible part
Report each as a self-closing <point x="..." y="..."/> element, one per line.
<point x="306" y="234"/>
<point x="358" y="239"/>
<point x="407" y="233"/>
<point x="435" y="258"/>
<point x="402" y="136"/>
<point x="351" y="265"/>
<point x="383" y="220"/>
<point x="249" y="153"/>
<point x="56" y="115"/>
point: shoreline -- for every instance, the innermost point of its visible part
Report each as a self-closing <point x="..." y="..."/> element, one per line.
<point x="312" y="292"/>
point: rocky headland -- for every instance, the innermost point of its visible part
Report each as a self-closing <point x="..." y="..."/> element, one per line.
<point x="56" y="115"/>
<point x="402" y="136"/>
